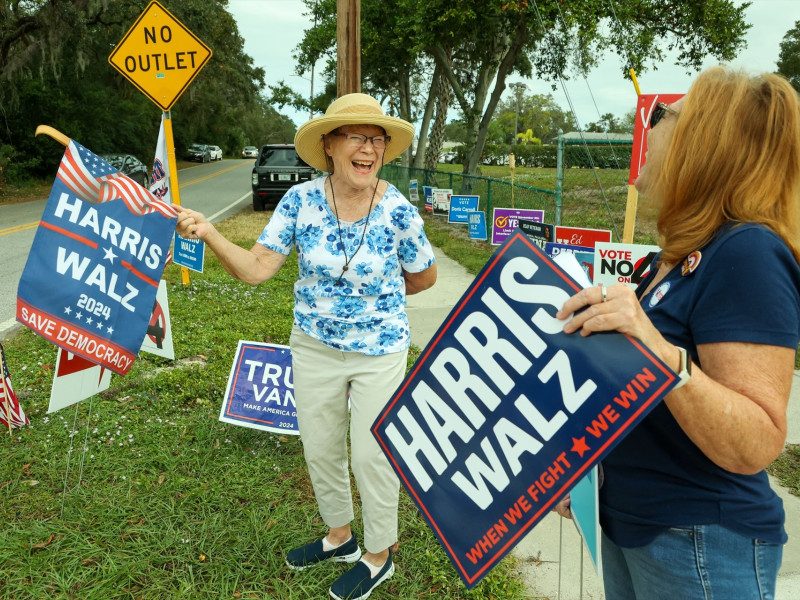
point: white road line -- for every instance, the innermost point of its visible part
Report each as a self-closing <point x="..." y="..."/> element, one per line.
<point x="230" y="206"/>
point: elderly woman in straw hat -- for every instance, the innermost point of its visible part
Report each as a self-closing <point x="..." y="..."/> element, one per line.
<point x="361" y="249"/>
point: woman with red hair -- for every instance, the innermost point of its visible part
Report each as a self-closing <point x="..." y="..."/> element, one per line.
<point x="686" y="507"/>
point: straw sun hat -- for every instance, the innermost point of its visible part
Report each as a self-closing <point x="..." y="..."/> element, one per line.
<point x="351" y="109"/>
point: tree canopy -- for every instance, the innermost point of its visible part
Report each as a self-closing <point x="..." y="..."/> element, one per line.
<point x="475" y="45"/>
<point x="54" y="70"/>
<point x="538" y="112"/>
<point x="789" y="57"/>
<point x="418" y="58"/>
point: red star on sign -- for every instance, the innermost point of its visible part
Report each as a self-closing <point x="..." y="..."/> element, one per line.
<point x="579" y="446"/>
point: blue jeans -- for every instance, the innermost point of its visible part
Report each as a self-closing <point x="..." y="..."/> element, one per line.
<point x="703" y="562"/>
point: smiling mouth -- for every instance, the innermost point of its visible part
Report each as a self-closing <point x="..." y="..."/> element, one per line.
<point x="362" y="165"/>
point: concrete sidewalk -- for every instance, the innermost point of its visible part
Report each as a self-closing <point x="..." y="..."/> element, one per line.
<point x="552" y="561"/>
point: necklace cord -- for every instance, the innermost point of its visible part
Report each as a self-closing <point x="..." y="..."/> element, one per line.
<point x="339" y="227"/>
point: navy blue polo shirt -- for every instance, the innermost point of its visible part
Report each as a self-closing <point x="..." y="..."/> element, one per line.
<point x="745" y="288"/>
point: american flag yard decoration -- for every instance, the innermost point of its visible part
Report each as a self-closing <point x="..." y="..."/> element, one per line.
<point x="11" y="413"/>
<point x="92" y="274"/>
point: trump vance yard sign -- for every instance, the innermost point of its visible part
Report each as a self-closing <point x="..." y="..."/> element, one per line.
<point x="160" y="56"/>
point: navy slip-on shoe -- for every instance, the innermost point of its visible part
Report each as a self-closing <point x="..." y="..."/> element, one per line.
<point x="311" y="554"/>
<point x="358" y="583"/>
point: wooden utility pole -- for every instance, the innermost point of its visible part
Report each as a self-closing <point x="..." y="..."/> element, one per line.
<point x="348" y="47"/>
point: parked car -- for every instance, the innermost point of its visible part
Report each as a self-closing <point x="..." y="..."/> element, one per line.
<point x="250" y="152"/>
<point x="216" y="153"/>
<point x="278" y="167"/>
<point x="129" y="165"/>
<point x="447" y="157"/>
<point x="199" y="152"/>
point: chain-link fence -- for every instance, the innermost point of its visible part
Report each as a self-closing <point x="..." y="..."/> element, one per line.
<point x="588" y="187"/>
<point x="492" y="192"/>
<point x="595" y="185"/>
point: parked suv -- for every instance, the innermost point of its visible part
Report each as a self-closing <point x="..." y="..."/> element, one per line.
<point x="278" y="167"/>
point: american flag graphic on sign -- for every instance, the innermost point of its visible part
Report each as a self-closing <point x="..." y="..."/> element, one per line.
<point x="92" y="179"/>
<point x="10" y="410"/>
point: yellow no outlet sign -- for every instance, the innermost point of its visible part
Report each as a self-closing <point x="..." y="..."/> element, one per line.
<point x="160" y="56"/>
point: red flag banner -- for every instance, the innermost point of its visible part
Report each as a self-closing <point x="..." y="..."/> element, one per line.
<point x="10" y="410"/>
<point x="644" y="110"/>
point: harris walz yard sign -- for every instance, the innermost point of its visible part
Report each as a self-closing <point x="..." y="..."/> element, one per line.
<point x="92" y="274"/>
<point x="503" y="413"/>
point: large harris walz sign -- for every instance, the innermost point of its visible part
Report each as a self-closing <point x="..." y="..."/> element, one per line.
<point x="503" y="412"/>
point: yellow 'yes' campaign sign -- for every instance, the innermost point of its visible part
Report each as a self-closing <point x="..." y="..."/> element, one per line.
<point x="160" y="56"/>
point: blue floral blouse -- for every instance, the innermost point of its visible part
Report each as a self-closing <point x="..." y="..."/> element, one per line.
<point x="364" y="311"/>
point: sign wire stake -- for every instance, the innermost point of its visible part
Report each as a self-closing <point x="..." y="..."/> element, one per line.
<point x="72" y="433"/>
<point x="85" y="440"/>
<point x="580" y="594"/>
<point x="69" y="459"/>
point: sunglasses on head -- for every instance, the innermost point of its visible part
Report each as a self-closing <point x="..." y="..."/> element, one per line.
<point x="658" y="113"/>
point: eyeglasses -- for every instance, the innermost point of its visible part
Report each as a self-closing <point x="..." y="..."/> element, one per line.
<point x="658" y="113"/>
<point x="357" y="140"/>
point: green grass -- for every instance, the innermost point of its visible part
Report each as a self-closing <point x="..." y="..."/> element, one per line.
<point x="29" y="190"/>
<point x="545" y="178"/>
<point x="173" y="504"/>
<point x="454" y="241"/>
<point x="786" y="468"/>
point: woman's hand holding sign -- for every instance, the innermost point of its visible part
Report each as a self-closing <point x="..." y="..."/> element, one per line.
<point x="192" y="224"/>
<point x="252" y="266"/>
<point x="614" y="308"/>
<point x="563" y="507"/>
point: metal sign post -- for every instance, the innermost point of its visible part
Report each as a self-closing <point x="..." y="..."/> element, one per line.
<point x="161" y="57"/>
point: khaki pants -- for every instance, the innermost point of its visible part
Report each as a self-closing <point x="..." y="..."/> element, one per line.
<point x="322" y="378"/>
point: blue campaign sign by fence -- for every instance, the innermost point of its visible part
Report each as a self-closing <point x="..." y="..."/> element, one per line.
<point x="260" y="392"/>
<point x="427" y="191"/>
<point x="92" y="274"/>
<point x="503" y="412"/>
<point x="460" y="207"/>
<point x="189" y="253"/>
<point x="477" y="225"/>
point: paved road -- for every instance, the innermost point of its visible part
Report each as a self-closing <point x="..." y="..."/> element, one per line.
<point x="217" y="189"/>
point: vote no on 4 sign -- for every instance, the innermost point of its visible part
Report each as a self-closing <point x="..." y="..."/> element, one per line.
<point x="160" y="56"/>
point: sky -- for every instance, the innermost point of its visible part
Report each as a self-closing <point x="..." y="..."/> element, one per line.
<point x="273" y="28"/>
